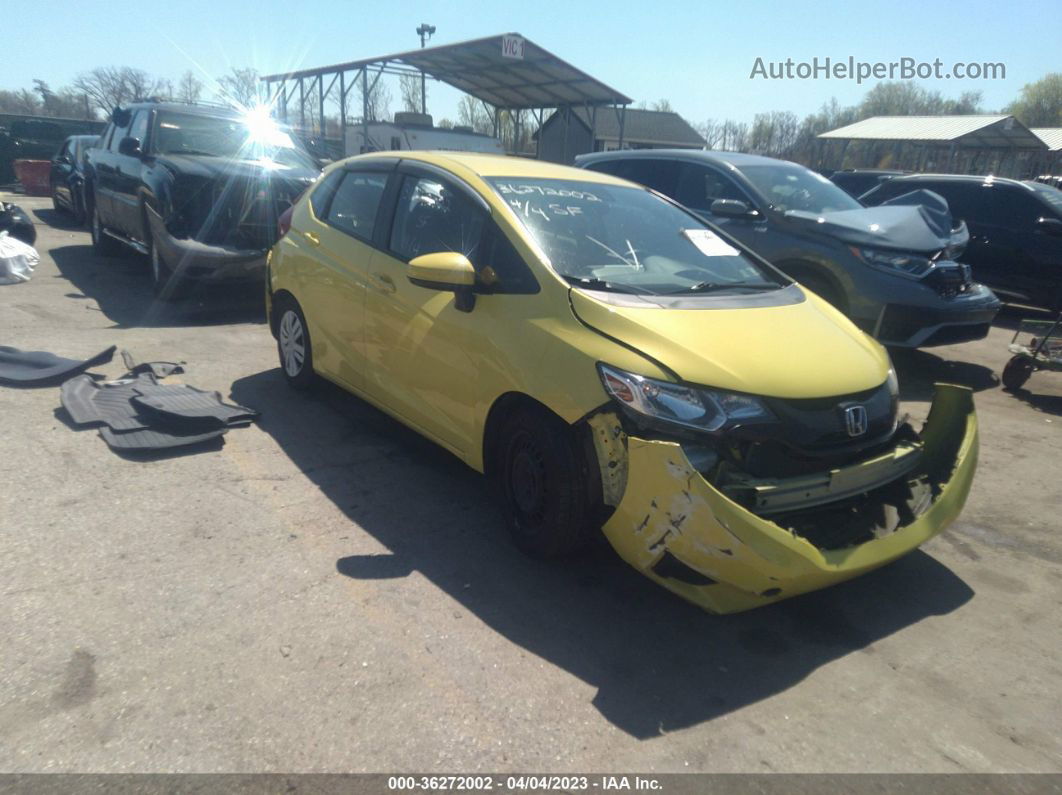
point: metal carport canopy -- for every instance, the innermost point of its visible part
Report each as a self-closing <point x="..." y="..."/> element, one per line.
<point x="478" y="67"/>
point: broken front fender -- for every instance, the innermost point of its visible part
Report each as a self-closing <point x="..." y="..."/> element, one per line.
<point x="671" y="520"/>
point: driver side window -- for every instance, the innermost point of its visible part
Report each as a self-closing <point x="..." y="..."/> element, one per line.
<point x="700" y="186"/>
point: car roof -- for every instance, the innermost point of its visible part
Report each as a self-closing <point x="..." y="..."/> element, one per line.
<point x="489" y="165"/>
<point x="198" y="110"/>
<point x="960" y="178"/>
<point x="736" y="159"/>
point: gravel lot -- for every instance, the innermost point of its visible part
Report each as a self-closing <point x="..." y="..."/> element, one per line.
<point x="329" y="592"/>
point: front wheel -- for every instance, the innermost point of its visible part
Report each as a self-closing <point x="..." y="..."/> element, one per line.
<point x="293" y="345"/>
<point x="544" y="485"/>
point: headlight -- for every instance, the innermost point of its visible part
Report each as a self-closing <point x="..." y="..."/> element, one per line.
<point x="690" y="407"/>
<point x="896" y="262"/>
<point x="894" y="384"/>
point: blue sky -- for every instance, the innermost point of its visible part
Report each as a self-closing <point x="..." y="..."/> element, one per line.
<point x="698" y="55"/>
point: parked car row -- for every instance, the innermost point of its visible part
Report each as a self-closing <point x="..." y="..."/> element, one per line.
<point x="681" y="349"/>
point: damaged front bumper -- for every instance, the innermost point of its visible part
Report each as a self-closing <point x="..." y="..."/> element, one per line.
<point x="678" y="529"/>
<point x="194" y="260"/>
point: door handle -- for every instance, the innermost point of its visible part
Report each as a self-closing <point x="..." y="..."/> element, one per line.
<point x="383" y="282"/>
<point x="312" y="238"/>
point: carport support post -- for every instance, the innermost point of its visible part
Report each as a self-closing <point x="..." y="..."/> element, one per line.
<point x="623" y="122"/>
<point x="302" y="107"/>
<point x="343" y="113"/>
<point x="320" y="102"/>
<point x="951" y="158"/>
<point x="365" y="108"/>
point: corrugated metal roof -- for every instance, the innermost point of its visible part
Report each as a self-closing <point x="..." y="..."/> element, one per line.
<point x="967" y="131"/>
<point x="1052" y="136"/>
<point x="536" y="78"/>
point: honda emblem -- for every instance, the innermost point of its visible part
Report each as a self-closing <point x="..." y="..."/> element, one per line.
<point x="855" y="420"/>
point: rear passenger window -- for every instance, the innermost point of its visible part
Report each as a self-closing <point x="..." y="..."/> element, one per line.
<point x="321" y="195"/>
<point x="356" y="201"/>
<point x="660" y="175"/>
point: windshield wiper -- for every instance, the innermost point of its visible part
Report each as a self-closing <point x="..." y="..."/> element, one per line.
<point x="712" y="287"/>
<point x="192" y="152"/>
<point x="602" y="284"/>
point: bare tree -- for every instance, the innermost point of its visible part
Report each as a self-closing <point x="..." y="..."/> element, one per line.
<point x="110" y="86"/>
<point x="472" y="113"/>
<point x="712" y="133"/>
<point x="239" y="87"/>
<point x="189" y="87"/>
<point x="409" y="86"/>
<point x="377" y="103"/>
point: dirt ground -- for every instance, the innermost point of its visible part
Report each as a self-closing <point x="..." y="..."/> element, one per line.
<point x="329" y="592"/>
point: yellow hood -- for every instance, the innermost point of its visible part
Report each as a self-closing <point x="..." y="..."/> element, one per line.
<point x="800" y="350"/>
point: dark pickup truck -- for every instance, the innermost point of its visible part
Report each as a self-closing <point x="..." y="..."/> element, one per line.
<point x="196" y="188"/>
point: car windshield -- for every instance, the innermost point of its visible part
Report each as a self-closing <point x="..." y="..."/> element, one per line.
<point x="1052" y="196"/>
<point x="791" y="187"/>
<point x="625" y="239"/>
<point x="195" y="134"/>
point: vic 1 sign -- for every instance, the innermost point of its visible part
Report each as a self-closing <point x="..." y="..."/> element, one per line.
<point x="512" y="47"/>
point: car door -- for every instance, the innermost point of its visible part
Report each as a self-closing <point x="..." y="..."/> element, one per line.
<point x="62" y="168"/>
<point x="341" y="234"/>
<point x="104" y="162"/>
<point x="127" y="179"/>
<point x="426" y="359"/>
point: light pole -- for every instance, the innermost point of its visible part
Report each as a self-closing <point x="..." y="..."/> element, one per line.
<point x="425" y="32"/>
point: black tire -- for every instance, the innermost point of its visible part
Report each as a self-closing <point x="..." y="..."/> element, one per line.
<point x="55" y="202"/>
<point x="1016" y="373"/>
<point x="77" y="203"/>
<point x="102" y="244"/>
<point x="823" y="290"/>
<point x="543" y="482"/>
<point x="293" y="344"/>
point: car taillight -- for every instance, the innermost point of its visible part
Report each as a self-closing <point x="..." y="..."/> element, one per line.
<point x="284" y="222"/>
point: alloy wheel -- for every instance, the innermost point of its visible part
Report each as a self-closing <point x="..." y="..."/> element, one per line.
<point x="292" y="343"/>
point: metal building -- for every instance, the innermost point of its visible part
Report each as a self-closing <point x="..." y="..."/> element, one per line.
<point x="988" y="144"/>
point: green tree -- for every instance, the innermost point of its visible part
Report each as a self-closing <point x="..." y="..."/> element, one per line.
<point x="1039" y="104"/>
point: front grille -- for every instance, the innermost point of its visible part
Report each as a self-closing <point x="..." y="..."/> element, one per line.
<point x="818" y="425"/>
<point x="950" y="280"/>
<point x="237" y="212"/>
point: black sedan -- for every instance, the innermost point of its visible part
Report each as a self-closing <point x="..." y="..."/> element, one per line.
<point x="68" y="175"/>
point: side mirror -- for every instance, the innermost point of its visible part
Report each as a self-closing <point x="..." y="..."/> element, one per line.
<point x="1049" y="226"/>
<point x="129" y="146"/>
<point x="63" y="160"/>
<point x="445" y="270"/>
<point x="732" y="208"/>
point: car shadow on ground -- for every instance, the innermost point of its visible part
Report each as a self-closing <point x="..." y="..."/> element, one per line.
<point x="60" y="219"/>
<point x="658" y="663"/>
<point x="918" y="371"/>
<point x="121" y="287"/>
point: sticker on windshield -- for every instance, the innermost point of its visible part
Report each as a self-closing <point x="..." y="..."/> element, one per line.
<point x="710" y="244"/>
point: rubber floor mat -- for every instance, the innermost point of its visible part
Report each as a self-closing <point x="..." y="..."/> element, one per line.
<point x="110" y="403"/>
<point x="186" y="406"/>
<point x="158" y="369"/>
<point x="153" y="439"/>
<point x="38" y="368"/>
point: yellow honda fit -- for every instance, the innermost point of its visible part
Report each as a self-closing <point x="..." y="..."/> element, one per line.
<point x="615" y="364"/>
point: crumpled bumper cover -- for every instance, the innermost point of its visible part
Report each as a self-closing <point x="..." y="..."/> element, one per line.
<point x="192" y="259"/>
<point x="745" y="560"/>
